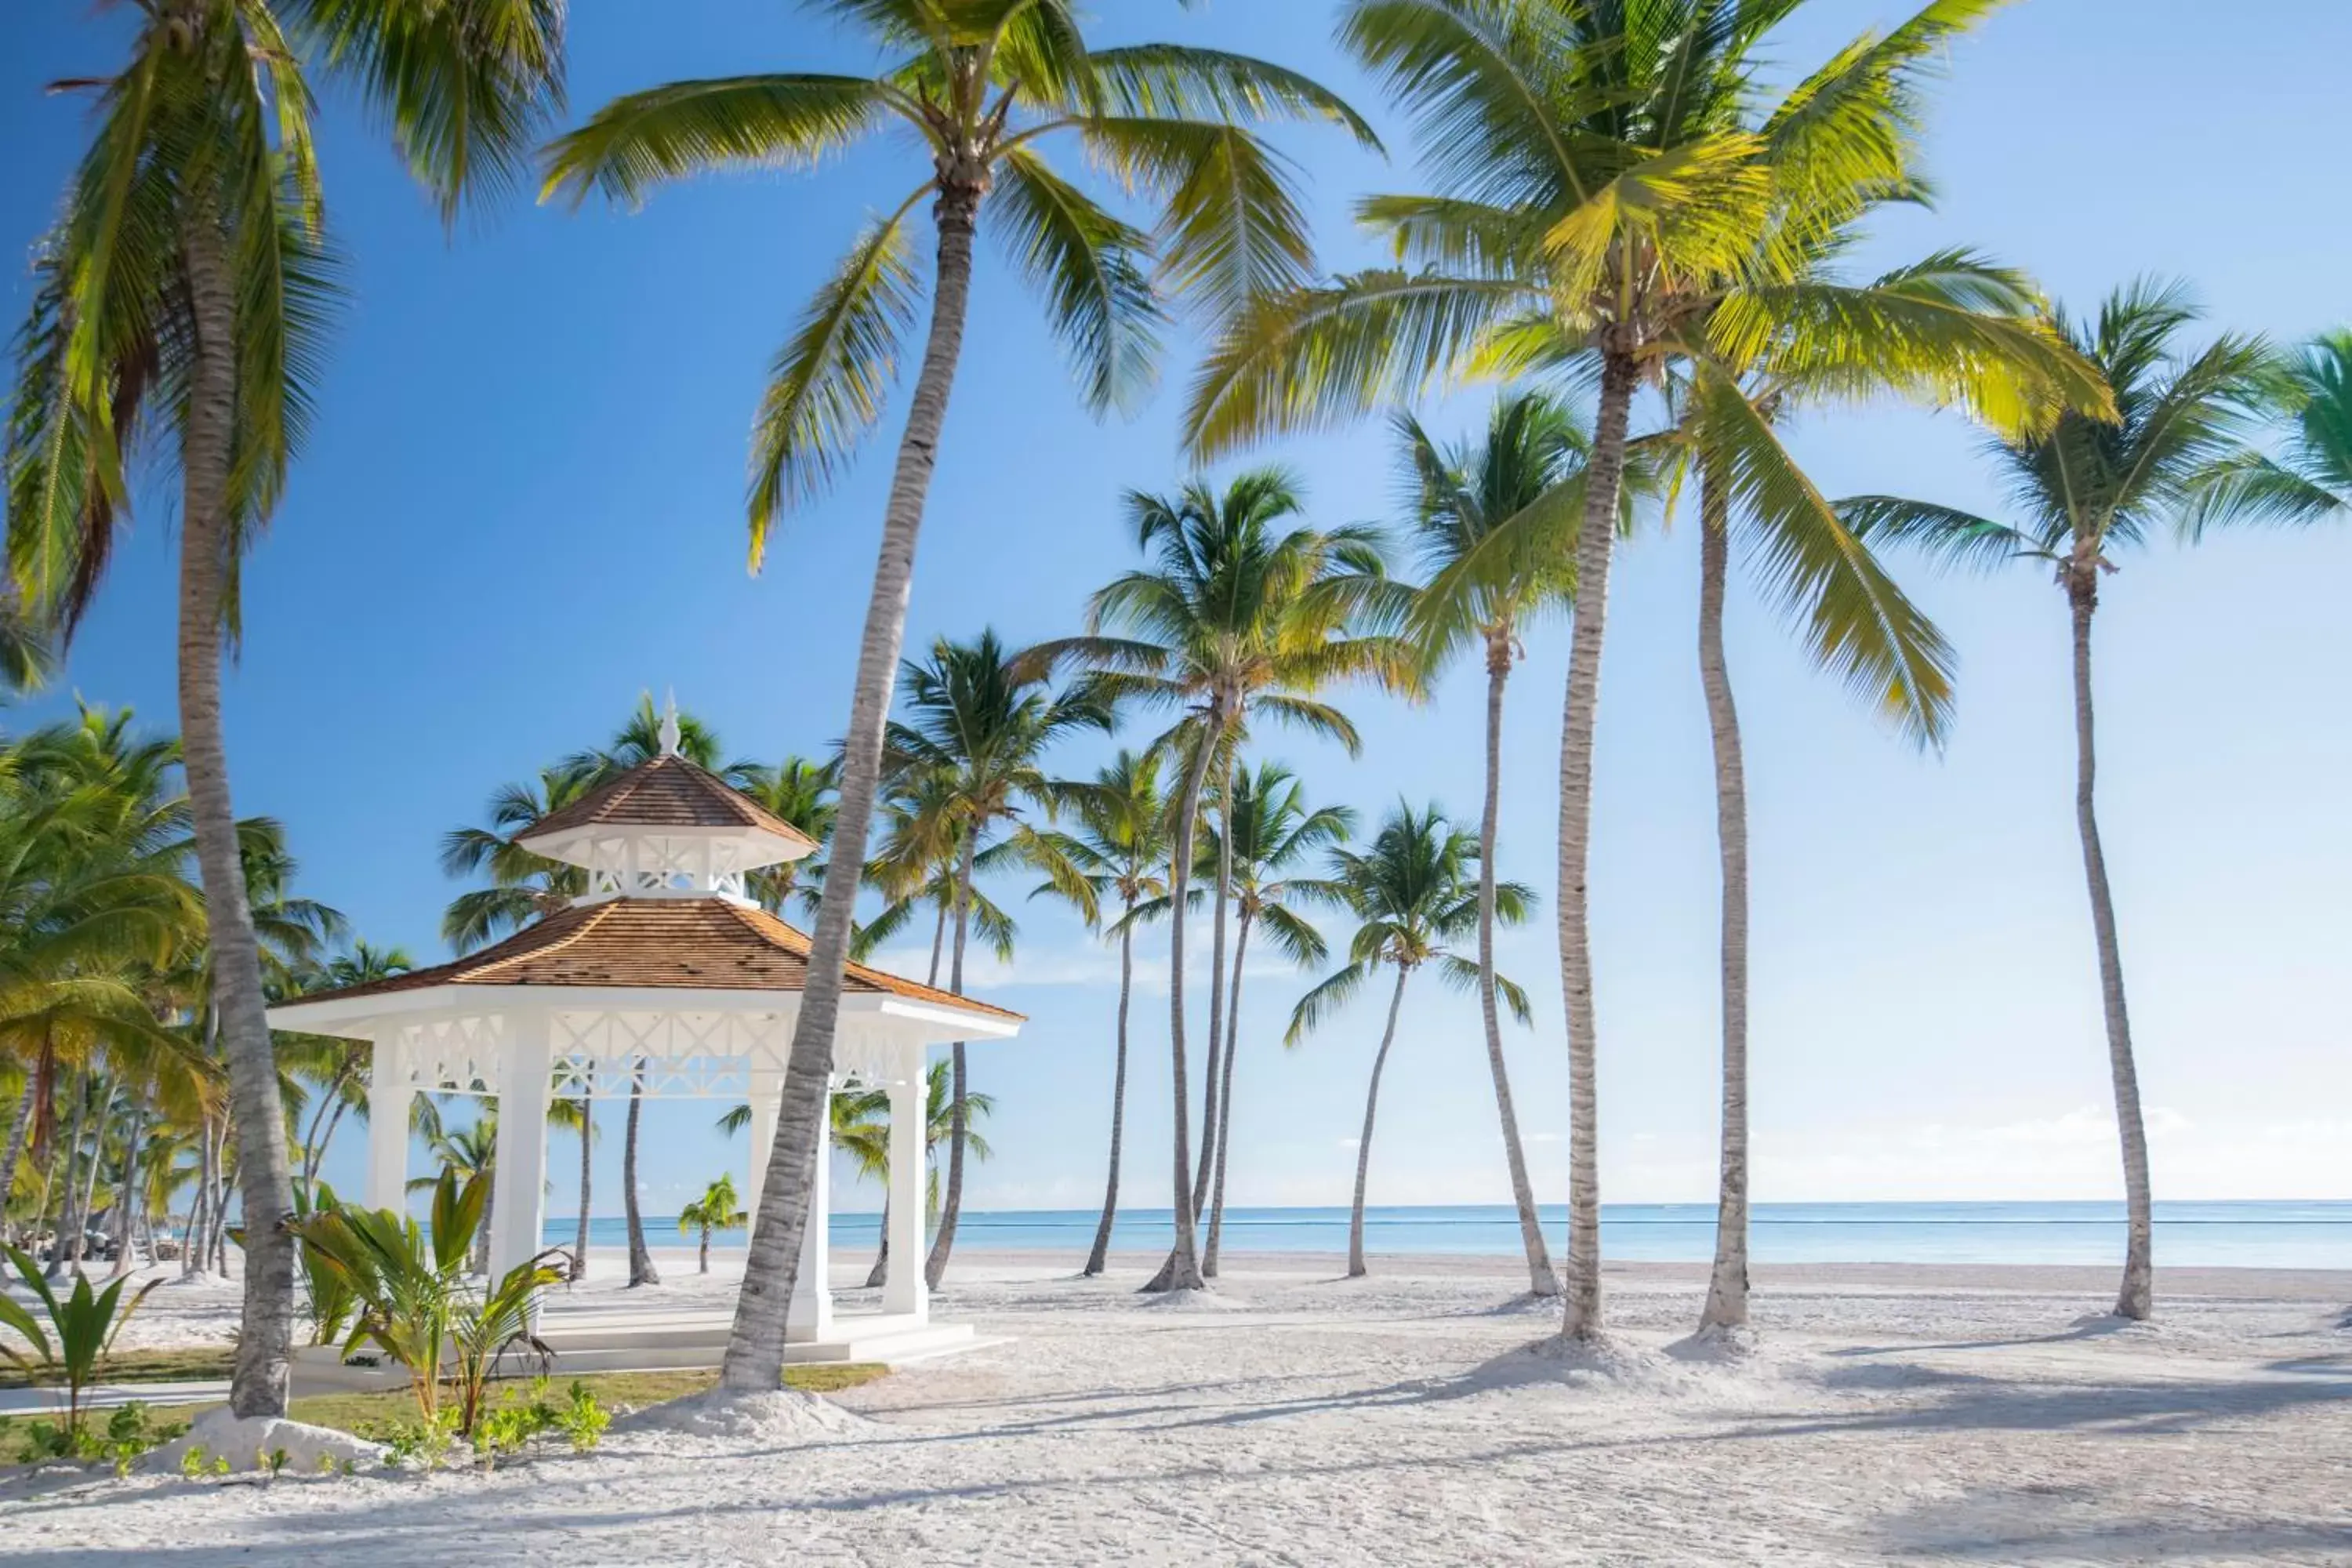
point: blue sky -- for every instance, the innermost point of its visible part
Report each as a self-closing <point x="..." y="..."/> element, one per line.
<point x="522" y="508"/>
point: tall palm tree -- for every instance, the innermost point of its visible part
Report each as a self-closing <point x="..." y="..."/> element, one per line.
<point x="984" y="86"/>
<point x="187" y="280"/>
<point x="523" y="887"/>
<point x="2005" y="365"/>
<point x="717" y="1209"/>
<point x="1411" y="894"/>
<point x="803" y="793"/>
<point x="1235" y="616"/>
<point x="2082" y="491"/>
<point x="1265" y="832"/>
<point x="1604" y="174"/>
<point x="1120" y="846"/>
<point x="980" y="727"/>
<point x="578" y="1116"/>
<point x="1515" y="497"/>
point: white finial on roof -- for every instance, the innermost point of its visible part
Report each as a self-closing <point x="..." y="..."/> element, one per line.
<point x="670" y="734"/>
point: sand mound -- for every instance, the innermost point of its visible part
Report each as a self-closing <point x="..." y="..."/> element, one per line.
<point x="1188" y="1302"/>
<point x="1718" y="1346"/>
<point x="784" y="1415"/>
<point x="247" y="1441"/>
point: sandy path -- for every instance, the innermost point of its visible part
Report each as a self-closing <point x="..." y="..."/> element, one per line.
<point x="1891" y="1414"/>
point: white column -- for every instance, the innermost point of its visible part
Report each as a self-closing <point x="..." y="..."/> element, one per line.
<point x="388" y="1101"/>
<point x="905" y="1290"/>
<point x="767" y="1088"/>
<point x="519" y="1209"/>
<point x="811" y="1315"/>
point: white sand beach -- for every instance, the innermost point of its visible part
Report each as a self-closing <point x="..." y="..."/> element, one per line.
<point x="1889" y="1412"/>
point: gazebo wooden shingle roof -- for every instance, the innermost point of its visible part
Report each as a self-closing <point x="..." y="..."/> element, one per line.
<point x="662" y="978"/>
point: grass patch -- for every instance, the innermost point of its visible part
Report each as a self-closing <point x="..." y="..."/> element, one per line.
<point x="613" y="1390"/>
<point x="190" y="1363"/>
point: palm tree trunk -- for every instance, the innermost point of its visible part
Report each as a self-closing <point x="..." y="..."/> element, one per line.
<point x="939" y="945"/>
<point x="62" y="1251"/>
<point x="1225" y="1102"/>
<point x="2136" y="1298"/>
<point x="641" y="1258"/>
<point x="702" y="1258"/>
<point x="1211" y="1068"/>
<point x="587" y="1173"/>
<point x="1098" y="1258"/>
<point x="935" y="1268"/>
<point x="755" y="1347"/>
<point x="1726" y="1289"/>
<point x="18" y="1126"/>
<point x="327" y="1138"/>
<point x="265" y="1346"/>
<point x="314" y="1145"/>
<point x="1356" y="1270"/>
<point x="880" y="1275"/>
<point x="191" y="1243"/>
<point x="1182" y="1271"/>
<point x="1542" y="1281"/>
<point x="1604" y="474"/>
<point x="125" y="1194"/>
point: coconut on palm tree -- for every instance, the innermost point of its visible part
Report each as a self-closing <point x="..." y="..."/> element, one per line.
<point x="1120" y="846"/>
<point x="1412" y="894"/>
<point x="181" y="299"/>
<point x="1237" y="616"/>
<point x="1614" y="189"/>
<point x="717" y="1209"/>
<point x="977" y="729"/>
<point x="986" y="88"/>
<point x="2084" y="491"/>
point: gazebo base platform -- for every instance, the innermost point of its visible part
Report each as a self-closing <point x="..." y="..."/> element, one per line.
<point x="646" y="1341"/>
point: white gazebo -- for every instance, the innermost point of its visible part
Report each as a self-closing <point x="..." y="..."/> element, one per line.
<point x="664" y="977"/>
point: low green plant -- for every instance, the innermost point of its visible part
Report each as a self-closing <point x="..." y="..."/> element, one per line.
<point x="425" y="1441"/>
<point x="194" y="1462"/>
<point x="274" y="1461"/>
<point x="582" y="1419"/>
<point x="83" y="1324"/>
<point x="414" y="1300"/>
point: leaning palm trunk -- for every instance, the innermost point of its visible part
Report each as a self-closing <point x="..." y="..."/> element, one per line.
<point x="880" y="1275"/>
<point x="935" y="1267"/>
<point x="20" y="1125"/>
<point x="1356" y="1270"/>
<point x="192" y="1244"/>
<point x="1225" y="1099"/>
<point x="126" y="1192"/>
<point x="1098" y="1258"/>
<point x="1212" y="1123"/>
<point x="1542" y="1281"/>
<point x="1726" y="1291"/>
<point x="587" y="1170"/>
<point x="1182" y="1269"/>
<point x="67" y="1249"/>
<point x="755" y="1347"/>
<point x="2136" y="1299"/>
<point x="641" y="1258"/>
<point x="265" y="1345"/>
<point x="1603" y="477"/>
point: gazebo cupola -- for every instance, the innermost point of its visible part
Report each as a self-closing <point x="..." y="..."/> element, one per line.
<point x="666" y="830"/>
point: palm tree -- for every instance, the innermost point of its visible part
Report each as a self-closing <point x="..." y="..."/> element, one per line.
<point x="523" y="887"/>
<point x="1997" y="357"/>
<point x="2176" y="455"/>
<point x="1121" y="847"/>
<point x="717" y="1209"/>
<point x="189" y="265"/>
<point x="340" y="1089"/>
<point x="1235" y="616"/>
<point x="1412" y="893"/>
<point x="1513" y="497"/>
<point x="1271" y="831"/>
<point x="978" y="727"/>
<point x="1605" y="173"/>
<point x="803" y="793"/>
<point x="642" y="1271"/>
<point x="983" y="87"/>
<point x="578" y="1116"/>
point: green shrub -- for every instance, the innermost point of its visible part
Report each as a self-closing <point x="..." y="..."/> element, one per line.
<point x="582" y="1419"/>
<point x="83" y="1324"/>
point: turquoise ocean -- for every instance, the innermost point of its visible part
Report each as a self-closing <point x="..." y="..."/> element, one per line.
<point x="2315" y="1235"/>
